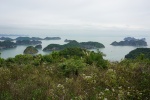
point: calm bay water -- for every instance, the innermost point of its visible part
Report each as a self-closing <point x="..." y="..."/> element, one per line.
<point x="113" y="53"/>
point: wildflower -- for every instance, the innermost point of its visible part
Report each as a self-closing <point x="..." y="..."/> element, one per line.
<point x="113" y="89"/>
<point x="101" y="93"/>
<point x="67" y="79"/>
<point x="105" y="99"/>
<point x="140" y="93"/>
<point x="120" y="87"/>
<point x="87" y="77"/>
<point x="60" y="86"/>
<point x="106" y="89"/>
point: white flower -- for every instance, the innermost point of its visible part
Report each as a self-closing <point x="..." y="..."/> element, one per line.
<point x="87" y="77"/>
<point x="60" y="86"/>
<point x="105" y="99"/>
<point x="113" y="89"/>
<point x="120" y="87"/>
<point x="106" y="89"/>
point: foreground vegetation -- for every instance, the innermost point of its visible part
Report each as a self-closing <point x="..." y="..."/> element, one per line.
<point x="75" y="74"/>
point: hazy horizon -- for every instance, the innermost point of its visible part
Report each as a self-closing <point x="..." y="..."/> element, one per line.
<point x="75" y="17"/>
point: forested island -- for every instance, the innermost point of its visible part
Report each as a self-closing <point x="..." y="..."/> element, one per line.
<point x="130" y="42"/>
<point x="28" y="42"/>
<point x="38" y="46"/>
<point x="139" y="52"/>
<point x="30" y="50"/>
<point x="7" y="44"/>
<point x="86" y="45"/>
<point x="73" y="73"/>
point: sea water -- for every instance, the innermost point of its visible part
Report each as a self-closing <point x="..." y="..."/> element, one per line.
<point x="113" y="53"/>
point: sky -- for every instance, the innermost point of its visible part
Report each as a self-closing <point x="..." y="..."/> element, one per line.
<point x="88" y="17"/>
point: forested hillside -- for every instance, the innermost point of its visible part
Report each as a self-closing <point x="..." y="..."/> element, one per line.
<point x="76" y="74"/>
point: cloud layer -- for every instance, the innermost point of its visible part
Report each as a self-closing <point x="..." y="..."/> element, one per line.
<point x="75" y="14"/>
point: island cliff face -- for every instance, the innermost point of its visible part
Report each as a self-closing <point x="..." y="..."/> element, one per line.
<point x="86" y="45"/>
<point x="130" y="42"/>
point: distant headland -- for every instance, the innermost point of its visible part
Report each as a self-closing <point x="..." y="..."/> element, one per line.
<point x="130" y="41"/>
<point x="73" y="43"/>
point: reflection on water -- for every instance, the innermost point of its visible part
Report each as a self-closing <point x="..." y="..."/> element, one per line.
<point x="113" y="53"/>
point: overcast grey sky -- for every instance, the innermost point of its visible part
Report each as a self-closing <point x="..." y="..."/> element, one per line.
<point x="75" y="16"/>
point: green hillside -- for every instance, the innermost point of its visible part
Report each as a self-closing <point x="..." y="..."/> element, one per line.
<point x="73" y="74"/>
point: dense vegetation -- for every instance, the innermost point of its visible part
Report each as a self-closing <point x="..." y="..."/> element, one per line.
<point x="73" y="43"/>
<point x="73" y="73"/>
<point x="139" y="52"/>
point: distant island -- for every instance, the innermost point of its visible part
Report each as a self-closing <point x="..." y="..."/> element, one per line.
<point x="7" y="44"/>
<point x="52" y="38"/>
<point x="38" y="46"/>
<point x="66" y="40"/>
<point x="86" y="45"/>
<point x="27" y="42"/>
<point x="30" y="38"/>
<point x="129" y="41"/>
<point x="30" y="50"/>
<point x="145" y="52"/>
